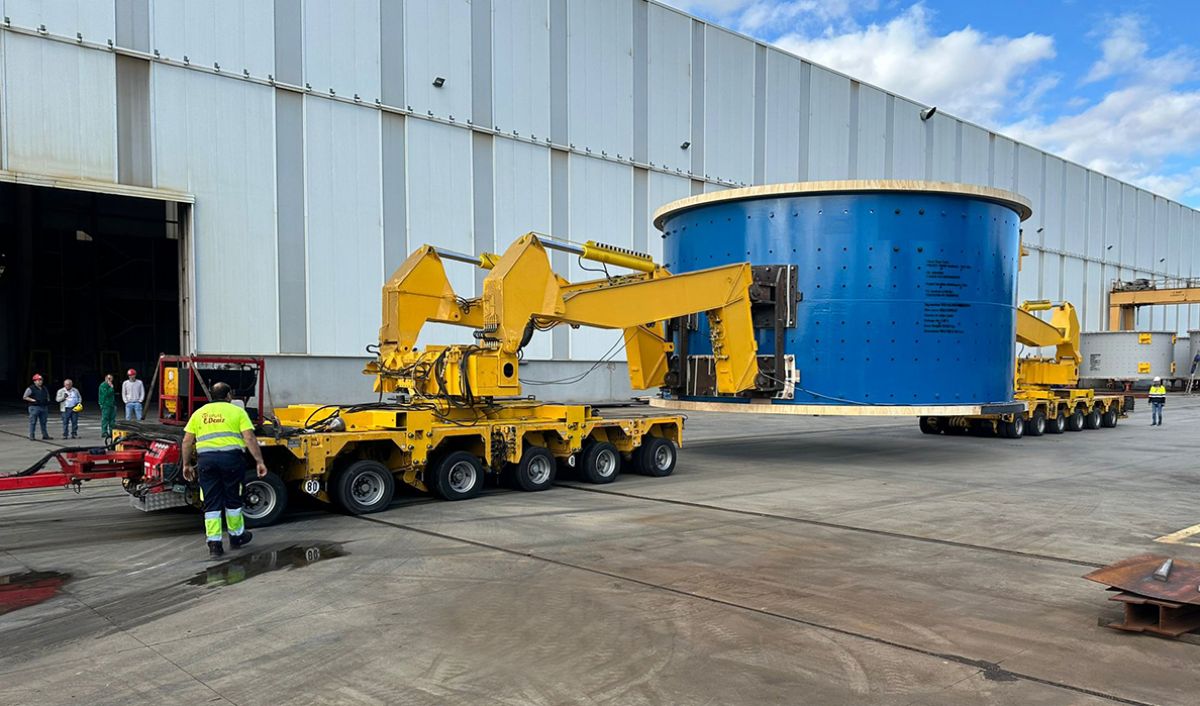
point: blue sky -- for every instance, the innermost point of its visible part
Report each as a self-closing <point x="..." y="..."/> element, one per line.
<point x="1111" y="85"/>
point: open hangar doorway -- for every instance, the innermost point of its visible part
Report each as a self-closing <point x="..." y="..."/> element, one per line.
<point x="90" y="283"/>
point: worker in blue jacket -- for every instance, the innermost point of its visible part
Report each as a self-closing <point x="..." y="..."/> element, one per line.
<point x="1158" y="398"/>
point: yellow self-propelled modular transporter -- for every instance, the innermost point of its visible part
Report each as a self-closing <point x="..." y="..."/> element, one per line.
<point x="450" y="416"/>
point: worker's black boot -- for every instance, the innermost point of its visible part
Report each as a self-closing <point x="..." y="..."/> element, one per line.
<point x="216" y="549"/>
<point x="241" y="540"/>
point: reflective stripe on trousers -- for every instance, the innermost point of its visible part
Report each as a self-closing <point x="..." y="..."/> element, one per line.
<point x="212" y="525"/>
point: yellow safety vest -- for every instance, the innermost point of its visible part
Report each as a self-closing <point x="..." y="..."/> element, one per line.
<point x="218" y="426"/>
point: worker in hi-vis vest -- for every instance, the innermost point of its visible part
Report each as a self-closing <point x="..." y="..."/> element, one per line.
<point x="221" y="433"/>
<point x="1158" y="398"/>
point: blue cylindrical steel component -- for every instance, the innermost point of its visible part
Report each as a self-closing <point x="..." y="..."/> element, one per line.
<point x="907" y="290"/>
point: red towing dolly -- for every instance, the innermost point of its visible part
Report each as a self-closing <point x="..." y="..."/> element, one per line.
<point x="78" y="465"/>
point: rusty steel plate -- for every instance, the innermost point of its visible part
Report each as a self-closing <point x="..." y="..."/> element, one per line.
<point x="1136" y="575"/>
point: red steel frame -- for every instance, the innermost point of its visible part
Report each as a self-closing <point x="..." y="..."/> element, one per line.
<point x="190" y="398"/>
<point x="78" y="466"/>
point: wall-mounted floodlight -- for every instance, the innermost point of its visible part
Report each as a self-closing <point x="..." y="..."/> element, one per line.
<point x="929" y="112"/>
<point x="685" y="145"/>
<point x="438" y="82"/>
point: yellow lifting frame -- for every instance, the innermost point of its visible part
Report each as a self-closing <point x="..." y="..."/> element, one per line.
<point x="521" y="291"/>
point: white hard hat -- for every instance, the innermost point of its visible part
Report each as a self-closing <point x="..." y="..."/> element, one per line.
<point x="1157" y="379"/>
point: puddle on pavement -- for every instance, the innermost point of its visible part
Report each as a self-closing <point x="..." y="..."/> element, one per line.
<point x="22" y="590"/>
<point x="242" y="566"/>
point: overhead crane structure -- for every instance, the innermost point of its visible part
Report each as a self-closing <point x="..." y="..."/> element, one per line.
<point x="1125" y="297"/>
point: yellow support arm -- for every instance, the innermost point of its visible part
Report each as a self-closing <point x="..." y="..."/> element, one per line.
<point x="722" y="292"/>
<point x="417" y="292"/>
<point x="1062" y="332"/>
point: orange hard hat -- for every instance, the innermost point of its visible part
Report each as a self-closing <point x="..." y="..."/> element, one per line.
<point x="36" y="377"/>
<point x="131" y="371"/>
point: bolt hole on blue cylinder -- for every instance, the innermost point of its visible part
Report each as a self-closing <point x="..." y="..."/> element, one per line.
<point x="906" y="290"/>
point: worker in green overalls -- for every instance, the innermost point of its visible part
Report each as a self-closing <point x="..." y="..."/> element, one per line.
<point x="108" y="407"/>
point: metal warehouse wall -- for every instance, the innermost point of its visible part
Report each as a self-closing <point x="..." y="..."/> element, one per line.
<point x="319" y="151"/>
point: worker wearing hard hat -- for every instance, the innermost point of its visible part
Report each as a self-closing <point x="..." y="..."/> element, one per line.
<point x="221" y="433"/>
<point x="1158" y="398"/>
<point x="38" y="397"/>
<point x="70" y="404"/>
<point x="133" y="393"/>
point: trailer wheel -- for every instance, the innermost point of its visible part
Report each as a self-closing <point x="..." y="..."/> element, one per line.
<point x="536" y="469"/>
<point x="928" y="425"/>
<point x="364" y="487"/>
<point x="601" y="462"/>
<point x="263" y="499"/>
<point x="655" y="457"/>
<point x="1093" y="419"/>
<point x="1014" y="429"/>
<point x="1075" y="420"/>
<point x="1058" y="424"/>
<point x="1037" y="423"/>
<point x="457" y="476"/>
<point x="1109" y="418"/>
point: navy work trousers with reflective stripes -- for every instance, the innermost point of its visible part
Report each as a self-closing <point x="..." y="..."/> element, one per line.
<point x="220" y="475"/>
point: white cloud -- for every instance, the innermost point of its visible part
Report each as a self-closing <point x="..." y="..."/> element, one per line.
<point x="964" y="72"/>
<point x="1124" y="52"/>
<point x="1137" y="128"/>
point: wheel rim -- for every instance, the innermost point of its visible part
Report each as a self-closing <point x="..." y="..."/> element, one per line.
<point x="367" y="489"/>
<point x="258" y="499"/>
<point x="462" y="476"/>
<point x="1039" y="424"/>
<point x="539" y="470"/>
<point x="606" y="463"/>
<point x="1018" y="426"/>
<point x="663" y="457"/>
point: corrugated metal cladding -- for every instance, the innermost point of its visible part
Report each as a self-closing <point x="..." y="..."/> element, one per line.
<point x="577" y="117"/>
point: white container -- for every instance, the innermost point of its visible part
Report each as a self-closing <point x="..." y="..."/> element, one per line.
<point x="1126" y="355"/>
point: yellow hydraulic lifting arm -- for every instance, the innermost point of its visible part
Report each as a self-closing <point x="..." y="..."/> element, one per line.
<point x="1062" y="332"/>
<point x="521" y="293"/>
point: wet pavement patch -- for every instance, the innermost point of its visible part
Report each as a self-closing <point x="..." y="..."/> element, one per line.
<point x="251" y="564"/>
<point x="29" y="588"/>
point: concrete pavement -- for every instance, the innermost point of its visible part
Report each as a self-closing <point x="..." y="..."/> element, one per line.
<point x="788" y="560"/>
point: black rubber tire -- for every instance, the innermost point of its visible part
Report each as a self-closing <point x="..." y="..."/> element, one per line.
<point x="1036" y="426"/>
<point x="363" y="487"/>
<point x="536" y="469"/>
<point x="1014" y="429"/>
<point x="928" y="425"/>
<point x="449" y="480"/>
<point x="1109" y="419"/>
<point x="263" y="499"/>
<point x="656" y="457"/>
<point x="1058" y="424"/>
<point x="1075" y="420"/>
<point x="1092" y="419"/>
<point x="600" y="462"/>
